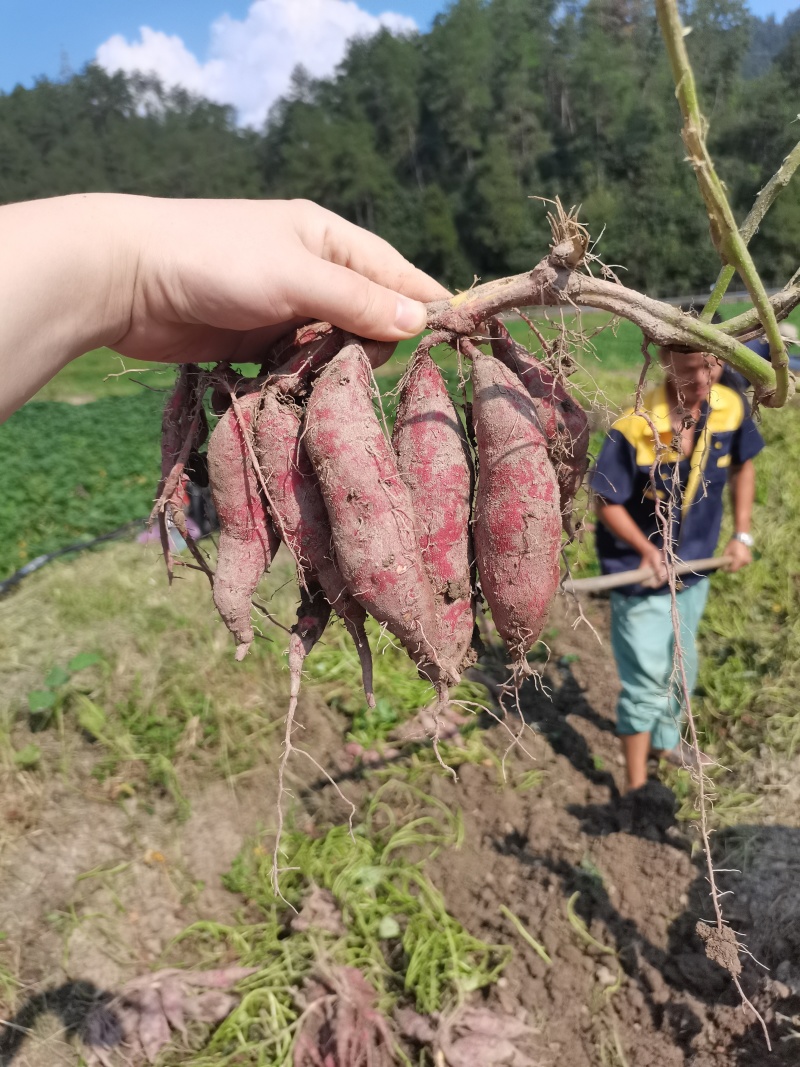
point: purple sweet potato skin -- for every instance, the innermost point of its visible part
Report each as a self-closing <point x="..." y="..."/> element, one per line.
<point x="302" y="518"/>
<point x="562" y="419"/>
<point x="294" y="493"/>
<point x="434" y="462"/>
<point x="247" y="541"/>
<point x="517" y="513"/>
<point x="370" y="509"/>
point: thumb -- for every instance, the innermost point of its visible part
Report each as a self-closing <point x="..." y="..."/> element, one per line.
<point x="339" y="295"/>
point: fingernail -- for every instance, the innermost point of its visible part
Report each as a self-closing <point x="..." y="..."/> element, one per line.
<point x="410" y="316"/>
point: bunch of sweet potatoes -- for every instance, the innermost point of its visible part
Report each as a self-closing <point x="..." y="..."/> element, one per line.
<point x="397" y="528"/>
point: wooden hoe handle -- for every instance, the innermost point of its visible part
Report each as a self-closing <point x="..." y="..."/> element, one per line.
<point x="641" y="574"/>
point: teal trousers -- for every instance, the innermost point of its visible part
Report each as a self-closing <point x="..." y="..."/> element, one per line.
<point x="643" y="642"/>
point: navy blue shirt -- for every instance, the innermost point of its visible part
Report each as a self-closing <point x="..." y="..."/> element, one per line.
<point x="725" y="436"/>
<point x="736" y="380"/>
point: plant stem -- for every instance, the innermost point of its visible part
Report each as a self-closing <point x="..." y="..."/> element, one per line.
<point x="763" y="202"/>
<point x="554" y="285"/>
<point x="746" y="325"/>
<point x="724" y="231"/>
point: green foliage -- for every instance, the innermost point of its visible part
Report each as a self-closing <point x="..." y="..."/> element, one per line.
<point x="48" y="704"/>
<point x="397" y="930"/>
<point x="118" y="133"/>
<point x="434" y="140"/>
<point x="335" y="669"/>
<point x="750" y="636"/>
<point x="377" y="875"/>
<point x="72" y="473"/>
<point x="27" y="758"/>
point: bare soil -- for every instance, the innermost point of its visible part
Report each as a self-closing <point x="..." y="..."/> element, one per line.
<point x="92" y="888"/>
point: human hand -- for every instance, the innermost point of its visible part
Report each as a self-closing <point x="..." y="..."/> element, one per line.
<point x="223" y="279"/>
<point x="653" y="558"/>
<point x="187" y="281"/>
<point x="738" y="554"/>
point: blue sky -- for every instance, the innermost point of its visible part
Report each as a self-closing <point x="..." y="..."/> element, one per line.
<point x="36" y="34"/>
<point x="41" y="36"/>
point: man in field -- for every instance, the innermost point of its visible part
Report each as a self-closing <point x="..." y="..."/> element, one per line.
<point x="646" y="489"/>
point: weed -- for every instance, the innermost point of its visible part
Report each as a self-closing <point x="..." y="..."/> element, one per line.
<point x="47" y="704"/>
<point x="529" y="780"/>
<point x="398" y="931"/>
<point x="525" y="934"/>
<point x="582" y="930"/>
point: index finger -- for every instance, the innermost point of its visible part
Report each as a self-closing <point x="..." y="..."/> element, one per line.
<point x="336" y="240"/>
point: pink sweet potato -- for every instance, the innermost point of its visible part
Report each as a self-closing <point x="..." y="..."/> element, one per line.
<point x="434" y="462"/>
<point x="183" y="429"/>
<point x="517" y="526"/>
<point x="247" y="541"/>
<point x="304" y="339"/>
<point x="300" y="514"/>
<point x="370" y="509"/>
<point x="562" y="419"/>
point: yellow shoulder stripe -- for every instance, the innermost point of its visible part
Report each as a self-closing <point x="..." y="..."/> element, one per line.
<point x="638" y="432"/>
<point x="725" y="416"/>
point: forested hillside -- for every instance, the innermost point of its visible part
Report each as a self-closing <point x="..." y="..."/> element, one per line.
<point x="437" y="140"/>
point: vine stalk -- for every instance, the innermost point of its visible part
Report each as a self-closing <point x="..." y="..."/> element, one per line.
<point x="724" y="232"/>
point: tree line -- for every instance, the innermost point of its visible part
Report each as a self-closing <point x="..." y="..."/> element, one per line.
<point x="442" y="141"/>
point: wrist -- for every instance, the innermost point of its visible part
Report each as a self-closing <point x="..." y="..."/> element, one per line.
<point x="101" y="254"/>
<point x="744" y="538"/>
<point x="77" y="250"/>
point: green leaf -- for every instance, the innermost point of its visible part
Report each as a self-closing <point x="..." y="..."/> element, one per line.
<point x="388" y="927"/>
<point x="57" y="676"/>
<point x="27" y="757"/>
<point x="92" y="719"/>
<point x="368" y="876"/>
<point x="83" y="660"/>
<point x="41" y="699"/>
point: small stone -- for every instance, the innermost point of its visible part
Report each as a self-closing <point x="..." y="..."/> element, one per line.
<point x="781" y="990"/>
<point x="636" y="997"/>
<point x="605" y="976"/>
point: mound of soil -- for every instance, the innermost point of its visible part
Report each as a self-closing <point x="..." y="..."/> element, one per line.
<point x="655" y="997"/>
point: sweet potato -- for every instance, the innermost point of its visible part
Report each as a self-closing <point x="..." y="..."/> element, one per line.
<point x="517" y="515"/>
<point x="299" y="513"/>
<point x="183" y="429"/>
<point x="562" y="419"/>
<point x="294" y="377"/>
<point x="434" y="462"/>
<point x="303" y="339"/>
<point x="247" y="541"/>
<point x="370" y="509"/>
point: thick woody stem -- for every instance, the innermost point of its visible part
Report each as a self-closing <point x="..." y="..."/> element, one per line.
<point x="553" y="284"/>
<point x="763" y="202"/>
<point x="724" y="231"/>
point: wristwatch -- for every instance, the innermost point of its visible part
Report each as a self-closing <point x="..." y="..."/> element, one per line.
<point x="745" y="538"/>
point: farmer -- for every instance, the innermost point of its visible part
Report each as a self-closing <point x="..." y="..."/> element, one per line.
<point x="707" y="439"/>
<point x="187" y="280"/>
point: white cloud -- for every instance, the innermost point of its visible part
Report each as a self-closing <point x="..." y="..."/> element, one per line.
<point x="250" y="61"/>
